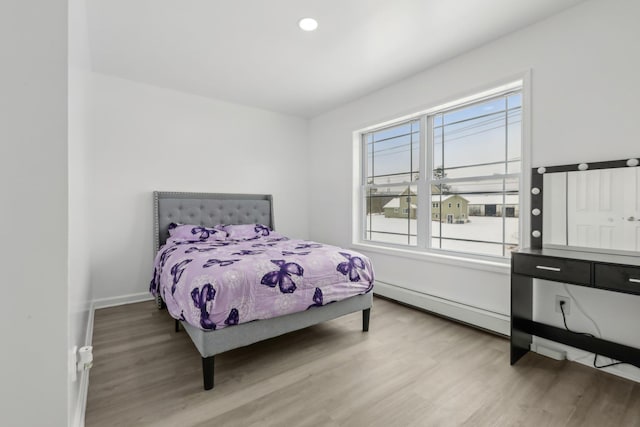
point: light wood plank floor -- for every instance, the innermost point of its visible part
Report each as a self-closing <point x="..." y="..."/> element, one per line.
<point x="410" y="369"/>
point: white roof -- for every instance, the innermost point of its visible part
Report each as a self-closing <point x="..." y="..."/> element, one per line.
<point x="436" y="197"/>
<point x="395" y="203"/>
<point x="481" y="199"/>
<point x="492" y="199"/>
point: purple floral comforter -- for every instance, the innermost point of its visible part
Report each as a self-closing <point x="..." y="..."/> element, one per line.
<point x="212" y="284"/>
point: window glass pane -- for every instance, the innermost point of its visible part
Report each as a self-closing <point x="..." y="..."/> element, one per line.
<point x="392" y="132"/>
<point x="489" y="186"/>
<point x="415" y="155"/>
<point x="497" y="168"/>
<point x="378" y="197"/>
<point x="369" y="171"/>
<point x="474" y="110"/>
<point x="392" y="160"/>
<point x="514" y="167"/>
<point x="476" y="141"/>
<point x="514" y="138"/>
<point x="479" y="140"/>
<point x="478" y="216"/>
<point x="436" y="209"/>
<point x="390" y="154"/>
<point x="514" y="100"/>
<point x="392" y="216"/>
<point x="438" y="171"/>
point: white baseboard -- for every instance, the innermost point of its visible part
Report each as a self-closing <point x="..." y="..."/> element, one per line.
<point x="81" y="403"/>
<point x="474" y="316"/>
<point x="629" y="372"/>
<point x="81" y="406"/>
<point x="121" y="300"/>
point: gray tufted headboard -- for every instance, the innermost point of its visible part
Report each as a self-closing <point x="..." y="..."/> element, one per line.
<point x="208" y="209"/>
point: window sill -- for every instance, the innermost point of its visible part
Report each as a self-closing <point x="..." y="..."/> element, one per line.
<point x="503" y="267"/>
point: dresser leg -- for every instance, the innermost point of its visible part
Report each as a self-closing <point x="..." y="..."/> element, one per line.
<point x="521" y="309"/>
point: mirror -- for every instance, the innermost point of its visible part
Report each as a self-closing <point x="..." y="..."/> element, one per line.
<point x="592" y="208"/>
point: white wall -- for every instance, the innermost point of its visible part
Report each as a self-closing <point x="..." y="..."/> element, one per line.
<point x="146" y="138"/>
<point x="33" y="185"/>
<point x="584" y="65"/>
<point x="79" y="237"/>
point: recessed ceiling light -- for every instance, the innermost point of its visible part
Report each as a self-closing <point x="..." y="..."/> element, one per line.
<point x="308" y="24"/>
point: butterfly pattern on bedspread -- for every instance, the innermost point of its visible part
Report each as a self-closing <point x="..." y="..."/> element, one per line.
<point x="317" y="298"/>
<point x="200" y="299"/>
<point x="213" y="284"/>
<point x="194" y="249"/>
<point x="282" y="277"/>
<point x="176" y="273"/>
<point x="219" y="262"/>
<point x="203" y="233"/>
<point x="262" y="230"/>
<point x="233" y="317"/>
<point x="247" y="252"/>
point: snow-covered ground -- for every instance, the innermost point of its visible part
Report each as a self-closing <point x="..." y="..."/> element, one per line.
<point x="485" y="229"/>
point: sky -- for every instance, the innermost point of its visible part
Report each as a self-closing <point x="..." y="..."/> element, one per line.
<point x="475" y="144"/>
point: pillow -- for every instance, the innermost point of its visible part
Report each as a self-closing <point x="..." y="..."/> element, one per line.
<point x="246" y="231"/>
<point x="195" y="232"/>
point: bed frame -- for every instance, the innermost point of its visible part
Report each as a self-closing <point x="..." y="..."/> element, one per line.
<point x="209" y="209"/>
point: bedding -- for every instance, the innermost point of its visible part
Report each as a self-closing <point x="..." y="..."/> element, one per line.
<point x="195" y="232"/>
<point x="254" y="273"/>
<point x="246" y="231"/>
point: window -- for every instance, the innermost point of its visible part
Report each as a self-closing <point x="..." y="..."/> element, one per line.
<point x="465" y="159"/>
<point x="392" y="164"/>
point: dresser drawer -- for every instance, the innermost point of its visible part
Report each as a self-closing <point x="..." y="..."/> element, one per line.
<point x="560" y="270"/>
<point x="618" y="278"/>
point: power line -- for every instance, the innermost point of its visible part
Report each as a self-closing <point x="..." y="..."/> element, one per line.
<point x="405" y="145"/>
<point x="462" y="129"/>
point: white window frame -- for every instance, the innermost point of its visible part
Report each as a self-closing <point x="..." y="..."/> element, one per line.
<point x="488" y="262"/>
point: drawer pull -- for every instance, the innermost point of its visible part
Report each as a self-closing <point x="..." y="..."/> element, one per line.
<point x="544" y="267"/>
<point x="632" y="280"/>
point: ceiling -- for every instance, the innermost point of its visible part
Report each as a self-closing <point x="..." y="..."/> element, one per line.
<point x="251" y="52"/>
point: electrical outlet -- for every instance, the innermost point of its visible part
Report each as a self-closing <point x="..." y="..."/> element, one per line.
<point x="73" y="360"/>
<point x="567" y="304"/>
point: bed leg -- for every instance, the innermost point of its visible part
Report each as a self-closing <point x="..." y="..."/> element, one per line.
<point x="160" y="303"/>
<point x="365" y="319"/>
<point x="207" y="372"/>
<point x="177" y="328"/>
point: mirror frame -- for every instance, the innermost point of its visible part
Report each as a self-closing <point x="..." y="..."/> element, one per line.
<point x="537" y="191"/>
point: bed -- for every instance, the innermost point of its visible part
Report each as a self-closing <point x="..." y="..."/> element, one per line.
<point x="212" y="337"/>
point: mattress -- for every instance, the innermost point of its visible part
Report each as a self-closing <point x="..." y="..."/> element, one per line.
<point x="213" y="283"/>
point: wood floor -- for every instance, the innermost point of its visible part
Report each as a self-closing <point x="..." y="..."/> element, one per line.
<point x="410" y="369"/>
